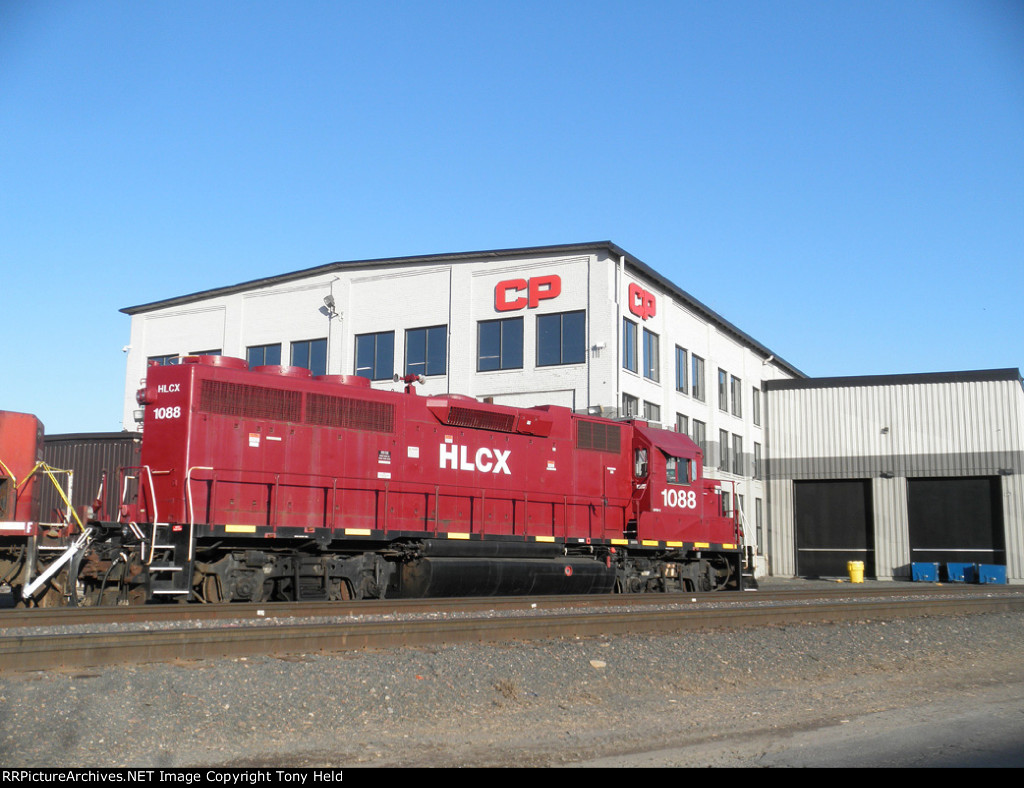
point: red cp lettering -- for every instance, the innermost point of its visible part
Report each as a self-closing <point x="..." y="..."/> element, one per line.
<point x="501" y="300"/>
<point x="641" y="303"/>
<point x="508" y="293"/>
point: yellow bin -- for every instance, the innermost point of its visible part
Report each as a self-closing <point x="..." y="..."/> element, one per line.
<point x="856" y="570"/>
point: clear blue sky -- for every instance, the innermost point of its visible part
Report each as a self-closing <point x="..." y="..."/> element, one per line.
<point x="843" y="180"/>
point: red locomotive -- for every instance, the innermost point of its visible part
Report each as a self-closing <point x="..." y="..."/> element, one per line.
<point x="270" y="484"/>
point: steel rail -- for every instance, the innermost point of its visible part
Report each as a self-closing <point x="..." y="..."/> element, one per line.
<point x="23" y="652"/>
<point x="64" y="616"/>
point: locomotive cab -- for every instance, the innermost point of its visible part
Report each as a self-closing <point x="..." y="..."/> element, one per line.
<point x="686" y="541"/>
<point x="670" y="501"/>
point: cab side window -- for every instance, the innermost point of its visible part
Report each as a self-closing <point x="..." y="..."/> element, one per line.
<point x="640" y="463"/>
<point x="678" y="470"/>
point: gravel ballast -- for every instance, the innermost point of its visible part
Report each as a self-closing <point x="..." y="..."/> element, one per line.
<point x="540" y="703"/>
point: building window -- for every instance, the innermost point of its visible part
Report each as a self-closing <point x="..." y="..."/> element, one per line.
<point x="682" y="424"/>
<point x="375" y="355"/>
<point x="561" y="339"/>
<point x="759" y="525"/>
<point x="757" y="461"/>
<point x="651" y="356"/>
<point x="736" y="386"/>
<point x="311" y="354"/>
<point x="723" y="390"/>
<point x="723" y="450"/>
<point x="697" y="377"/>
<point x="263" y="355"/>
<point x="426" y="351"/>
<point x="737" y="455"/>
<point x="680" y="370"/>
<point x="162" y="361"/>
<point x="700" y="436"/>
<point x="630" y="406"/>
<point x="499" y="344"/>
<point x="756" y="404"/>
<point x="652" y="412"/>
<point x="629" y="345"/>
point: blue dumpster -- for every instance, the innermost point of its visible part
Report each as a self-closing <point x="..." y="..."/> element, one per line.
<point x="991" y="573"/>
<point x="924" y="571"/>
<point x="960" y="572"/>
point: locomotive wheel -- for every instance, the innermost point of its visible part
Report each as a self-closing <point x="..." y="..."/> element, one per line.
<point x="211" y="588"/>
<point x="343" y="593"/>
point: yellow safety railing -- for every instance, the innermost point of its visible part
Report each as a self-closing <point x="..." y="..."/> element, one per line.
<point x="50" y="472"/>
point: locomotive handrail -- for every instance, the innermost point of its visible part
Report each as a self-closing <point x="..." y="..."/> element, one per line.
<point x="191" y="506"/>
<point x="124" y="489"/>
<point x="334" y="483"/>
<point x="67" y="498"/>
<point x="334" y="502"/>
<point x="152" y="496"/>
<point x="546" y="497"/>
<point x="10" y="475"/>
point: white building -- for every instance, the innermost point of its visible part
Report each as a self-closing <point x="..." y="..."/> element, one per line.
<point x="585" y="326"/>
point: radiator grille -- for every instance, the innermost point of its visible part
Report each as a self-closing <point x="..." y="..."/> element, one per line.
<point x="481" y="420"/>
<point x="253" y="402"/>
<point x="598" y="437"/>
<point x="354" y="414"/>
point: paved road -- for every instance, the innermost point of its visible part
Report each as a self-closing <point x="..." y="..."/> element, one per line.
<point x="981" y="728"/>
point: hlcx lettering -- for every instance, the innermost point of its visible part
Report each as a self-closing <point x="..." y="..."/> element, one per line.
<point x="486" y="460"/>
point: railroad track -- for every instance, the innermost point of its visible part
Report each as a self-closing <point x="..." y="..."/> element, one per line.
<point x="103" y="636"/>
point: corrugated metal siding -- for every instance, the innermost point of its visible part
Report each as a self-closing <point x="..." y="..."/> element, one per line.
<point x="88" y="455"/>
<point x="1013" y="517"/>
<point x="963" y="429"/>
<point x="891" y="432"/>
<point x="892" y="531"/>
<point x="782" y="523"/>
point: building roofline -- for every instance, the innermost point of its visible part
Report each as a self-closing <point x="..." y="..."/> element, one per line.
<point x="631" y="261"/>
<point x="966" y="376"/>
<point x="269" y="281"/>
<point x="705" y="310"/>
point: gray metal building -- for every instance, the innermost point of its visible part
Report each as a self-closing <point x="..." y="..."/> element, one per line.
<point x="895" y="469"/>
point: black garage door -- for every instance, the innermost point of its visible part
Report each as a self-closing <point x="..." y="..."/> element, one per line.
<point x="833" y="526"/>
<point x="956" y="519"/>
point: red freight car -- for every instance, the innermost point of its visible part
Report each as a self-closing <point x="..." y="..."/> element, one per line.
<point x="271" y="484"/>
<point x="21" y="534"/>
<point x="21" y="449"/>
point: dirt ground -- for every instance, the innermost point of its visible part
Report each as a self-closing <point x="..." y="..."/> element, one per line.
<point x="716" y="698"/>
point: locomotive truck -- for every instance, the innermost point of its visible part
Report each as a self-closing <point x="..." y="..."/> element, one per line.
<point x="271" y="484"/>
